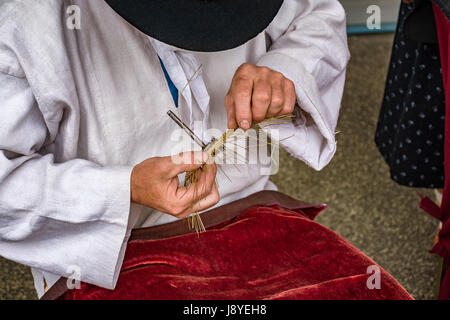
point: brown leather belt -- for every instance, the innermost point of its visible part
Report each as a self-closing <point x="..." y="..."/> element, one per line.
<point x="210" y="219"/>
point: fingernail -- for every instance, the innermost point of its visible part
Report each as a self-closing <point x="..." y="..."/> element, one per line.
<point x="244" y="124"/>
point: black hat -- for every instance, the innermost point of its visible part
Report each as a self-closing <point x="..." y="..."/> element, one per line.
<point x="199" y="25"/>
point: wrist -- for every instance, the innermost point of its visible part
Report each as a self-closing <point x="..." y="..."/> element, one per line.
<point x="134" y="186"/>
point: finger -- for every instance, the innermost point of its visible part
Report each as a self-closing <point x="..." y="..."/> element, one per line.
<point x="277" y="98"/>
<point x="242" y="96"/>
<point x="184" y="162"/>
<point x="290" y="97"/>
<point x="210" y="200"/>
<point x="202" y="186"/>
<point x="203" y="204"/>
<point x="262" y="93"/>
<point x="206" y="182"/>
<point x="231" y="115"/>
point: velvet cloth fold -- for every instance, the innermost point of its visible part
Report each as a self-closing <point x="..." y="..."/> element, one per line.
<point x="442" y="247"/>
<point x="266" y="252"/>
<point x="442" y="213"/>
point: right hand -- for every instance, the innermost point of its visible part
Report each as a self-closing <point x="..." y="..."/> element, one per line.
<point x="155" y="184"/>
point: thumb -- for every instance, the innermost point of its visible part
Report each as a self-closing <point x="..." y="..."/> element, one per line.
<point x="187" y="161"/>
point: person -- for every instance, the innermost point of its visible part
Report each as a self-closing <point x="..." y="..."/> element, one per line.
<point x="86" y="153"/>
<point x="410" y="130"/>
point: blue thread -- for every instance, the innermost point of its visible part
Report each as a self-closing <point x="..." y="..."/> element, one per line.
<point x="172" y="88"/>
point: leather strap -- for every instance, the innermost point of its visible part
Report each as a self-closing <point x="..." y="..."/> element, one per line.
<point x="218" y="215"/>
<point x="210" y="219"/>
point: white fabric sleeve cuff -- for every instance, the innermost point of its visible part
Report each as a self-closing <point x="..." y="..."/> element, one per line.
<point x="311" y="137"/>
<point x="106" y="243"/>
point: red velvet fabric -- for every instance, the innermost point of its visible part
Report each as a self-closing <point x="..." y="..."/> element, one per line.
<point x="443" y="213"/>
<point x="264" y="253"/>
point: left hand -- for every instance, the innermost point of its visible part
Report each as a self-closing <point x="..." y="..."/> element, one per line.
<point x="258" y="93"/>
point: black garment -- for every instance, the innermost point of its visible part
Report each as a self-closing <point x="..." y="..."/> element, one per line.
<point x="420" y="24"/>
<point x="199" y="25"/>
<point x="410" y="132"/>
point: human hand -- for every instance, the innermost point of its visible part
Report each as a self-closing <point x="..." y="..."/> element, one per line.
<point x="257" y="93"/>
<point x="155" y="184"/>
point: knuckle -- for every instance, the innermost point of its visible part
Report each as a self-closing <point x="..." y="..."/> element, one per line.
<point x="176" y="210"/>
<point x="278" y="76"/>
<point x="288" y="109"/>
<point x="277" y="100"/>
<point x="245" y="67"/>
<point x="262" y="96"/>
<point x="289" y="85"/>
<point x="242" y="81"/>
<point x="243" y="91"/>
<point x="265" y="70"/>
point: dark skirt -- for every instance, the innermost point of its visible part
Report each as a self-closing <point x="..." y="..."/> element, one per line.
<point x="410" y="131"/>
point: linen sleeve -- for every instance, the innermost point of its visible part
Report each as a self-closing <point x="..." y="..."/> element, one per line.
<point x="56" y="216"/>
<point x="309" y="47"/>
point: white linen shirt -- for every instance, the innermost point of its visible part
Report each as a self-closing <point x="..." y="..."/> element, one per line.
<point x="79" y="108"/>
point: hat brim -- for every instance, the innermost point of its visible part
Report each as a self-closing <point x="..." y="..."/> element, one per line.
<point x="199" y="25"/>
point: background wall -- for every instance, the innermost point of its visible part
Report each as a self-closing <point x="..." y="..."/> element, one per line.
<point x="357" y="14"/>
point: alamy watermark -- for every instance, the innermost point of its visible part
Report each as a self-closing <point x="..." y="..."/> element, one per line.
<point x="74" y="277"/>
<point x="249" y="147"/>
<point x="374" y="281"/>
<point x="374" y="19"/>
<point x="73" y="21"/>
